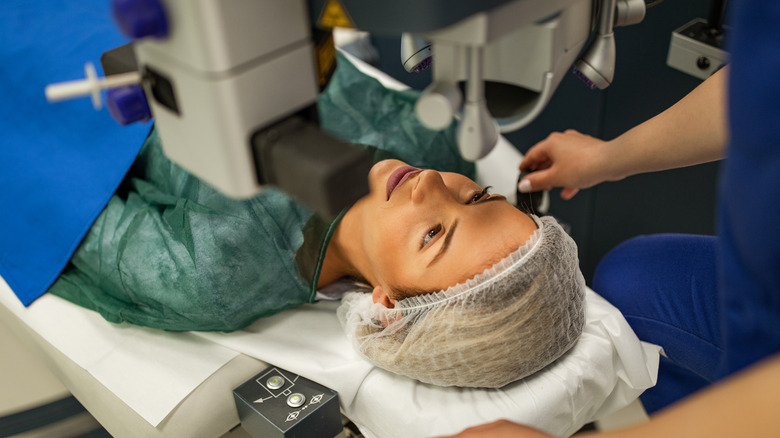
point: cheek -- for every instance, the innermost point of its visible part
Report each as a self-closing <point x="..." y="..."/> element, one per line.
<point x="387" y="239"/>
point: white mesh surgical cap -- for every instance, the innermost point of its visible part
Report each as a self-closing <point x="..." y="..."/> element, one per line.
<point x="500" y="326"/>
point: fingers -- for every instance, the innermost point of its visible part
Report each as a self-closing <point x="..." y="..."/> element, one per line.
<point x="535" y="182"/>
<point x="560" y="160"/>
<point x="541" y="155"/>
<point x="525" y="186"/>
<point x="531" y="184"/>
<point x="568" y="193"/>
<point x="539" y="181"/>
<point x="536" y="158"/>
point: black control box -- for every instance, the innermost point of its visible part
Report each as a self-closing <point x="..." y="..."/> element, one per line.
<point x="278" y="403"/>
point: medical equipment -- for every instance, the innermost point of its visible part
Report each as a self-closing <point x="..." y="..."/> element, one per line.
<point x="416" y="53"/>
<point x="698" y="47"/>
<point x="92" y="86"/>
<point x="221" y="76"/>
<point x="278" y="403"/>
<point x="504" y="324"/>
<point x="597" y="66"/>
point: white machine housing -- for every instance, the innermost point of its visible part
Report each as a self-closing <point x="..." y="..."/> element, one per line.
<point x="528" y="45"/>
<point x="238" y="65"/>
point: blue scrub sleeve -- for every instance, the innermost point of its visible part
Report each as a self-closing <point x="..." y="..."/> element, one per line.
<point x="749" y="213"/>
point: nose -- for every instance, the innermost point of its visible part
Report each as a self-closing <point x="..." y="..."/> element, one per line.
<point x="430" y="187"/>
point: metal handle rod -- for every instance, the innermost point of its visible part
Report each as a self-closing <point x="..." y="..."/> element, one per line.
<point x="717" y="15"/>
<point x="607" y="17"/>
<point x="475" y="84"/>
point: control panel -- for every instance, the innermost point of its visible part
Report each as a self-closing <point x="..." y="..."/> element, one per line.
<point x="278" y="403"/>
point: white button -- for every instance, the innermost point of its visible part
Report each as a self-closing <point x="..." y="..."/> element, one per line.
<point x="274" y="382"/>
<point x="296" y="400"/>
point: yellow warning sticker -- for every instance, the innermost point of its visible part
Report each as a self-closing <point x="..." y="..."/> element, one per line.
<point x="334" y="15"/>
<point x="325" y="53"/>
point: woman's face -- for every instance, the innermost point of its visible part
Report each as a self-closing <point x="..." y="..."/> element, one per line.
<point x="428" y="230"/>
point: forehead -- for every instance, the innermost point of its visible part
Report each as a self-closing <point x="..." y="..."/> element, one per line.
<point x="492" y="230"/>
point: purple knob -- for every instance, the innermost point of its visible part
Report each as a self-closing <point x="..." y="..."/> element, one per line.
<point x="140" y="18"/>
<point x="128" y="104"/>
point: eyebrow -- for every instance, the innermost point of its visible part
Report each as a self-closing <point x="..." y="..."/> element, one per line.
<point x="446" y="244"/>
<point x="493" y="198"/>
<point x="451" y="231"/>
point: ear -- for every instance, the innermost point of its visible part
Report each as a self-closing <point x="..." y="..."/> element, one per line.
<point x="379" y="296"/>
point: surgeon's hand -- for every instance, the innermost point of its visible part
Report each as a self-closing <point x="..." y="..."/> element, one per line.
<point x="501" y="429"/>
<point x="570" y="160"/>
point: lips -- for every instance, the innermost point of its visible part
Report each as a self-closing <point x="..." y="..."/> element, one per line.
<point x="399" y="176"/>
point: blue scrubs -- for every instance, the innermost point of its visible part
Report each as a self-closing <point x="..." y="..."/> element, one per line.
<point x="666" y="287"/>
<point x="749" y="212"/>
<point x="714" y="303"/>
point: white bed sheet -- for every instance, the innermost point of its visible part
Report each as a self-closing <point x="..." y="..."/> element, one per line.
<point x="607" y="369"/>
<point x="151" y="371"/>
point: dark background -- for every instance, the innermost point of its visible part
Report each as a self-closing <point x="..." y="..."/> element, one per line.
<point x="674" y="201"/>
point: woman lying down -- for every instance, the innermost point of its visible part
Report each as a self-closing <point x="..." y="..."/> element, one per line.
<point x="459" y="287"/>
<point x="465" y="289"/>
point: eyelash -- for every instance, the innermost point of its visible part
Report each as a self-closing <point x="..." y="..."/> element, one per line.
<point x="437" y="229"/>
<point x="430" y="234"/>
<point x="479" y="195"/>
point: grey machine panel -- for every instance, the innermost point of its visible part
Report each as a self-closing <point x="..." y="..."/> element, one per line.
<point x="278" y="403"/>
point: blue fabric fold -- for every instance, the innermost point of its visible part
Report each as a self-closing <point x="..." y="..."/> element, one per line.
<point x="60" y="162"/>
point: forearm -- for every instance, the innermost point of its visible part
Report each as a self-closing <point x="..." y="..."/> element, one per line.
<point x="744" y="405"/>
<point x="692" y="131"/>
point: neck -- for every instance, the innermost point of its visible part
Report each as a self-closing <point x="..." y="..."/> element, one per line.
<point x="345" y="256"/>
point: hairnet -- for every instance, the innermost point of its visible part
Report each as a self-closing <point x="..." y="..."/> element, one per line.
<point x="504" y="324"/>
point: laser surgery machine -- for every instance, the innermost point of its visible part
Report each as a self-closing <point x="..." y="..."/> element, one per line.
<point x="232" y="88"/>
<point x="232" y="84"/>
